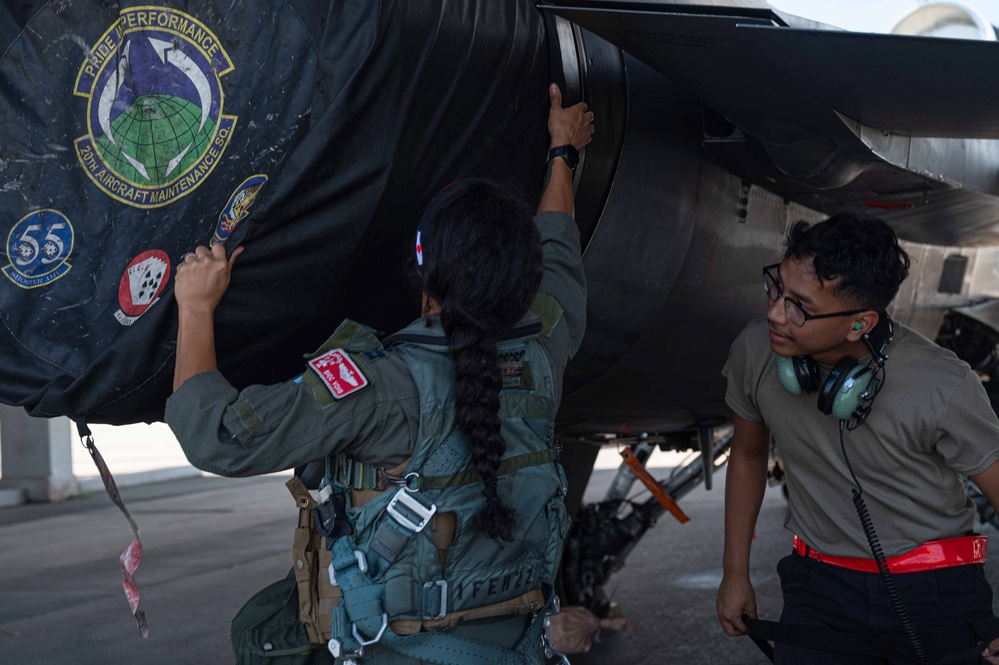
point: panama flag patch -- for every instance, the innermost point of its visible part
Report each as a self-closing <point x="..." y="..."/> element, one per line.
<point x="339" y="373"/>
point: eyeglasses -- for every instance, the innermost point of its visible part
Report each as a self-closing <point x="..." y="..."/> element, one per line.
<point x="795" y="313"/>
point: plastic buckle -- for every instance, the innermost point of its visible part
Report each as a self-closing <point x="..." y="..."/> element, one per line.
<point x="362" y="641"/>
<point x="402" y="496"/>
<point x="443" y="587"/>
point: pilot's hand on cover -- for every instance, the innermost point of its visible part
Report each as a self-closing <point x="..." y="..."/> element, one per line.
<point x="572" y="126"/>
<point x="203" y="277"/>
<point x="735" y="598"/>
<point x="991" y="653"/>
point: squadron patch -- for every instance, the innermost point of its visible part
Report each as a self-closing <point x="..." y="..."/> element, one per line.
<point x="38" y="247"/>
<point x="338" y="373"/>
<point x="155" y="127"/>
<point x="238" y="207"/>
<point x="141" y="285"/>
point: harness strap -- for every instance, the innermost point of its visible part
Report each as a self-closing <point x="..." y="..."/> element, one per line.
<point x="825" y="639"/>
<point x="448" y="649"/>
<point x="366" y="618"/>
<point x="469" y="476"/>
<point x="512" y="405"/>
<point x="528" y="603"/>
<point x="526" y="329"/>
<point x="359" y="476"/>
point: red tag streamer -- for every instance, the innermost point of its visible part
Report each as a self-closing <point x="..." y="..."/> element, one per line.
<point x="132" y="556"/>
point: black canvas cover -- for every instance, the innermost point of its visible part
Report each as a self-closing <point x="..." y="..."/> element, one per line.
<point x="313" y="132"/>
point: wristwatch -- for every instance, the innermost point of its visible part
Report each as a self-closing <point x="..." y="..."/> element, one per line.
<point x="566" y="152"/>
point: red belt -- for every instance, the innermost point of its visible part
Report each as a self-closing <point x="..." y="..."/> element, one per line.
<point x="928" y="556"/>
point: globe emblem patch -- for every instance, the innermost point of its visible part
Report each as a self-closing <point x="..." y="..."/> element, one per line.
<point x="38" y="247"/>
<point x="155" y="126"/>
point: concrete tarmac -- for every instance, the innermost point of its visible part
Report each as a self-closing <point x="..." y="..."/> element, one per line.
<point x="210" y="543"/>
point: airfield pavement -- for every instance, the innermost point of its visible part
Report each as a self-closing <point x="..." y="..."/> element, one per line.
<point x="210" y="543"/>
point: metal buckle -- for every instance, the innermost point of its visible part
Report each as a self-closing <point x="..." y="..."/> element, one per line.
<point x="402" y="496"/>
<point x="411" y="481"/>
<point x="362" y="641"/>
<point x="362" y="561"/>
<point x="362" y="565"/>
<point x="335" y="647"/>
<point x="546" y="643"/>
<point x="443" y="587"/>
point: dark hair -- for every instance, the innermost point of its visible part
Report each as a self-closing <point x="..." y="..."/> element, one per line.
<point x="861" y="255"/>
<point x="481" y="256"/>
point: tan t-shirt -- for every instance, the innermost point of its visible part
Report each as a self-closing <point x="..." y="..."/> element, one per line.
<point x="930" y="424"/>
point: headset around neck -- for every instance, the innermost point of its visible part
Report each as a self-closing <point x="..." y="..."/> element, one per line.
<point x="849" y="390"/>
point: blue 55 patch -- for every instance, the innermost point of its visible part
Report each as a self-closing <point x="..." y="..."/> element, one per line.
<point x="38" y="247"/>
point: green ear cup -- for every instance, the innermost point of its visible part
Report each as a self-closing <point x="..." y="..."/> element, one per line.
<point x="847" y="396"/>
<point x="786" y="374"/>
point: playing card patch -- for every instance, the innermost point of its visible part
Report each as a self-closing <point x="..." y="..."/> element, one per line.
<point x="141" y="285"/>
<point x="338" y="373"/>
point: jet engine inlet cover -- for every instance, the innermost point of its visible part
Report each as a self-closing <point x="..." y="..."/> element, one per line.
<point x="132" y="131"/>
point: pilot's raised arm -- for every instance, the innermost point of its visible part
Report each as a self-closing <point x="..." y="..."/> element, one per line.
<point x="453" y="415"/>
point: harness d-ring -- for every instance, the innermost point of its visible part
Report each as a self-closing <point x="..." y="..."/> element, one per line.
<point x="362" y="641"/>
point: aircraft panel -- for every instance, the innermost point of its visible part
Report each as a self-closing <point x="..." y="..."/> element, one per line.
<point x="920" y="85"/>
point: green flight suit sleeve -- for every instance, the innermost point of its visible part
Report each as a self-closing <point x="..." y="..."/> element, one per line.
<point x="264" y="429"/>
<point x="561" y="301"/>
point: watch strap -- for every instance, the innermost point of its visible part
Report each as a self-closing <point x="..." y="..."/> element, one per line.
<point x="566" y="152"/>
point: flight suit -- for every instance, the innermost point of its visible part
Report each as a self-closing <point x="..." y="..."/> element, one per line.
<point x="270" y="428"/>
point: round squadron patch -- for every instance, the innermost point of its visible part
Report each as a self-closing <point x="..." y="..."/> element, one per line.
<point x="155" y="127"/>
<point x="238" y="207"/>
<point x="38" y="247"/>
<point x="141" y="285"/>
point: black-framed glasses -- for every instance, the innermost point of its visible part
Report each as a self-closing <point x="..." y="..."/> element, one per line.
<point x="795" y="313"/>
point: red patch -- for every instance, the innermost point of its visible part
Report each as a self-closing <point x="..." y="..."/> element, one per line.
<point x="339" y="373"/>
<point x="143" y="281"/>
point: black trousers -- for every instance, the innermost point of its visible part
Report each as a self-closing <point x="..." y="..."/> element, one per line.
<point x="950" y="608"/>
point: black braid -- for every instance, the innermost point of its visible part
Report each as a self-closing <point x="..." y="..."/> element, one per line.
<point x="482" y="263"/>
<point x="477" y="385"/>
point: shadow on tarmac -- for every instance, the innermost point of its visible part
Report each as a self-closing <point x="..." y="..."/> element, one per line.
<point x="210" y="543"/>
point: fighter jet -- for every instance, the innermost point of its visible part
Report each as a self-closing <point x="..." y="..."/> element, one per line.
<point x="314" y="134"/>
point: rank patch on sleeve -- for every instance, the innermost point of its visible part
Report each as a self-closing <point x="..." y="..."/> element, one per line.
<point x="339" y="373"/>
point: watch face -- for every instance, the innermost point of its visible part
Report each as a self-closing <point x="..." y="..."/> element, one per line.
<point x="566" y="152"/>
<point x="571" y="156"/>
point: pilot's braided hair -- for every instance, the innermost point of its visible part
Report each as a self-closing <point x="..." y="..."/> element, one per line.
<point x="859" y="255"/>
<point x="481" y="260"/>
